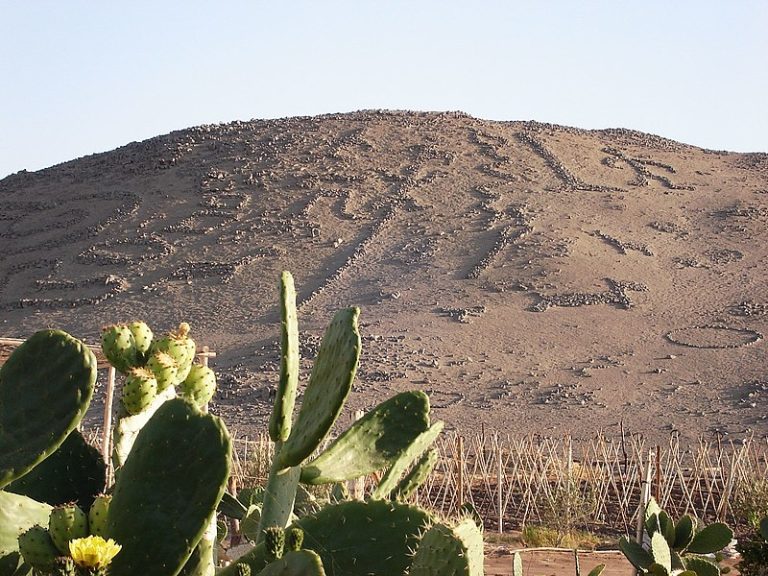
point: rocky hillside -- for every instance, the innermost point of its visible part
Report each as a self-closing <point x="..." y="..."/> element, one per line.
<point x="530" y="277"/>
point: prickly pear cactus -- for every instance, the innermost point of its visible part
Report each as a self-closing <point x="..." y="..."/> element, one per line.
<point x="67" y="523"/>
<point x="18" y="514"/>
<point x="199" y="385"/>
<point x="50" y="379"/>
<point x="74" y="473"/>
<point x="375" y="538"/>
<point x="174" y="477"/>
<point x="139" y="390"/>
<point x="446" y="551"/>
<point x="37" y="548"/>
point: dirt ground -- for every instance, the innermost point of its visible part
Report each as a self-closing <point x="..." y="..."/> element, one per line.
<point x="498" y="562"/>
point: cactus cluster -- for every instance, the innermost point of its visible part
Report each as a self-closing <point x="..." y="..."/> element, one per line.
<point x="677" y="548"/>
<point x="49" y="550"/>
<point x="152" y="365"/>
<point x="377" y="536"/>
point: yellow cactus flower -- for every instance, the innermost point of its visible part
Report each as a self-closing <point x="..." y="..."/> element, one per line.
<point x="93" y="551"/>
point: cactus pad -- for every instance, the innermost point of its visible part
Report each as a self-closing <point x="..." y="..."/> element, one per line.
<point x="446" y="551"/>
<point x="74" y="473"/>
<point x="48" y="379"/>
<point x="282" y="411"/>
<point x="97" y="515"/>
<point x="18" y="514"/>
<point x="168" y="489"/>
<point x="328" y="388"/>
<point x="302" y="563"/>
<point x="373" y="442"/>
<point x="414" y="451"/>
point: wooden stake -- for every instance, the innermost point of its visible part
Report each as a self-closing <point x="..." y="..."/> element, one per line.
<point x="106" y="440"/>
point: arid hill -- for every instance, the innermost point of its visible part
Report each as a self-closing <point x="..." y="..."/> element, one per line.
<point x="529" y="277"/>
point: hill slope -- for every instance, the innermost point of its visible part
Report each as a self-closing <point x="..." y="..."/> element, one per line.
<point x="530" y="277"/>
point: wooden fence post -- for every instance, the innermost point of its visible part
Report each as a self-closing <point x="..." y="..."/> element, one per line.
<point x="358" y="484"/>
<point x="460" y="472"/>
<point x="106" y="438"/>
<point x="499" y="485"/>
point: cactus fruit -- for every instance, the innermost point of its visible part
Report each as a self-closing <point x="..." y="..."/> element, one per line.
<point x="48" y="379"/>
<point x="165" y="369"/>
<point x="242" y="569"/>
<point x="274" y="542"/>
<point x="294" y="539"/>
<point x="142" y="337"/>
<point x="199" y="385"/>
<point x="139" y="390"/>
<point x="301" y="563"/>
<point x="67" y="523"/>
<point x="119" y="346"/>
<point x="97" y="515"/>
<point x="37" y="548"/>
<point x="181" y="348"/>
<point x="446" y="551"/>
<point x="168" y="490"/>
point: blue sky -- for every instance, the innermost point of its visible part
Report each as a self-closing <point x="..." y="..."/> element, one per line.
<point x="80" y="77"/>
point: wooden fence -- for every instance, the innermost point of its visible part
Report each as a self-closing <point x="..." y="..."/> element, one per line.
<point x="597" y="484"/>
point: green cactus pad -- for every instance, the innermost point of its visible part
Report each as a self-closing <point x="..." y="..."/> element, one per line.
<point x="660" y="551"/>
<point x="373" y="442"/>
<point x="282" y="411"/>
<point x="202" y="562"/>
<point x="328" y="388"/>
<point x="67" y="523"/>
<point x="18" y="514"/>
<point x="128" y="427"/>
<point x="446" y="551"/>
<point x="37" y="548"/>
<point x="414" y="451"/>
<point x="638" y="556"/>
<point x="701" y="566"/>
<point x="45" y="389"/>
<point x="416" y="477"/>
<point x="302" y="563"/>
<point x="74" y="473"/>
<point x="168" y="489"/>
<point x="375" y="538"/>
<point x="711" y="539"/>
<point x="684" y="532"/>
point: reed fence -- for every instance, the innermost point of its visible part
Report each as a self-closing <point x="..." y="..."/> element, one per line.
<point x="597" y="484"/>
